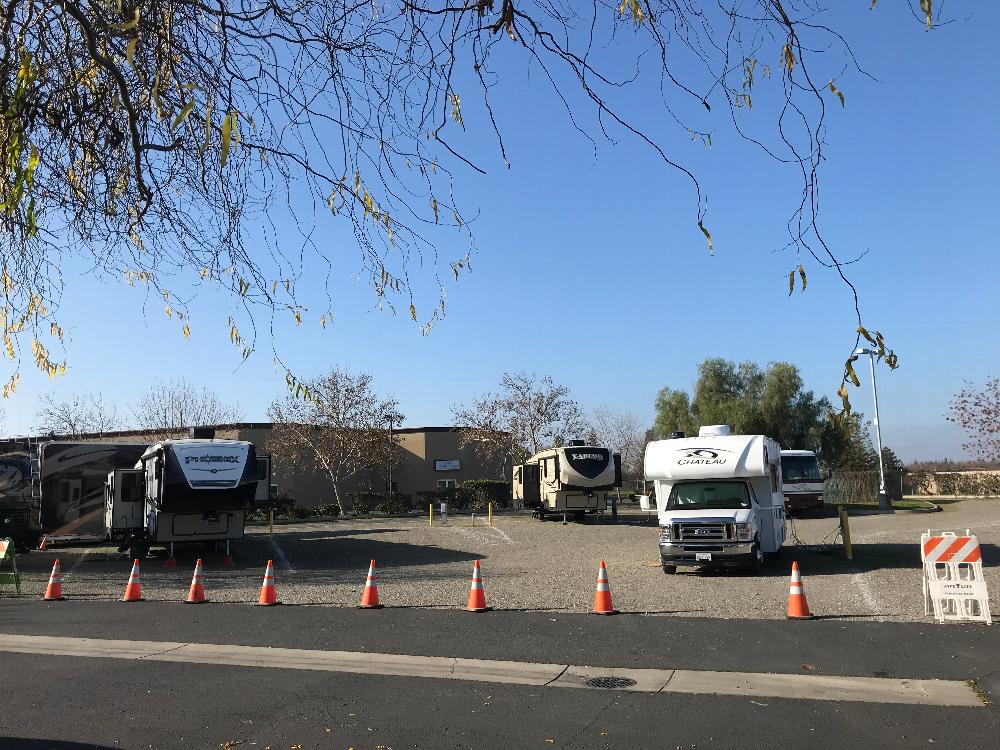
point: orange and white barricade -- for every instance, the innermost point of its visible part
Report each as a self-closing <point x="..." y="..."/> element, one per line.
<point x="954" y="587"/>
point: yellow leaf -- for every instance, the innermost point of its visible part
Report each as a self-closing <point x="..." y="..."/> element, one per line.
<point x="788" y="57"/>
<point x="322" y="320"/>
<point x="837" y="91"/>
<point x="434" y="207"/>
<point x="925" y="6"/>
<point x="413" y="312"/>
<point x="127" y="25"/>
<point x="227" y="125"/>
<point x="130" y="51"/>
<point x="298" y="317"/>
<point x="864" y="332"/>
<point x="851" y="374"/>
<point x="791" y="282"/>
<point x="186" y="330"/>
<point x="168" y="311"/>
<point x="182" y="115"/>
<point x="708" y="235"/>
<point x="244" y="287"/>
<point x="802" y="275"/>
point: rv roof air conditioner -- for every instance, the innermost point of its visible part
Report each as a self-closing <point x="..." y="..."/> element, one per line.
<point x="576" y="443"/>
<point x="202" y="433"/>
<point x="676" y="435"/>
<point x="714" y="430"/>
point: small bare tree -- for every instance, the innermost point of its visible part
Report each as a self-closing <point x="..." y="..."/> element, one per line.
<point x="342" y="427"/>
<point x="79" y="414"/>
<point x="527" y="415"/>
<point x="621" y="431"/>
<point x="175" y="405"/>
<point x="978" y="412"/>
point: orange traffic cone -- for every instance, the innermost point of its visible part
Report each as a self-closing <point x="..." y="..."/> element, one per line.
<point x="133" y="591"/>
<point x="53" y="592"/>
<point x="477" y="596"/>
<point x="602" y="597"/>
<point x="369" y="598"/>
<point x="43" y="544"/>
<point x="268" y="593"/>
<point x="798" y="607"/>
<point x="196" y="594"/>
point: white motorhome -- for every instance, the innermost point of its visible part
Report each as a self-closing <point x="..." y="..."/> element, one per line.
<point x="803" y="482"/>
<point x="186" y="490"/>
<point x="719" y="498"/>
<point x="572" y="479"/>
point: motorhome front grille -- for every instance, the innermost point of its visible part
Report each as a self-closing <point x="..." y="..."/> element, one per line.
<point x="703" y="532"/>
<point x="213" y="483"/>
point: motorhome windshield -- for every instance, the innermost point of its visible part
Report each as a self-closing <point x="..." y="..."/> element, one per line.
<point x="706" y="495"/>
<point x="800" y="469"/>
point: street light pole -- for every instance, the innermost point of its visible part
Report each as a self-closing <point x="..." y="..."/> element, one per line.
<point x="884" y="503"/>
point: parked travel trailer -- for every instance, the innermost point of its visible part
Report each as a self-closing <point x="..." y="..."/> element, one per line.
<point x="19" y="518"/>
<point x="573" y="479"/>
<point x="184" y="491"/>
<point x="803" y="482"/>
<point x="719" y="498"/>
<point x="69" y="486"/>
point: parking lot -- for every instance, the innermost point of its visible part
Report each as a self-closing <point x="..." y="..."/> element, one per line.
<point x="545" y="566"/>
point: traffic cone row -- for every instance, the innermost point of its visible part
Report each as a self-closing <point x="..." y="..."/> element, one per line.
<point x="798" y="607"/>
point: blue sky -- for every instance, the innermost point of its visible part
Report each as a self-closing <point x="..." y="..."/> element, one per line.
<point x="592" y="270"/>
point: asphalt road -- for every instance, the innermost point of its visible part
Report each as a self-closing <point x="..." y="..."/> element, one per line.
<point x="71" y="702"/>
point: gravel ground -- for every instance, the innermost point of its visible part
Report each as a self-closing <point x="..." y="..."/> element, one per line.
<point x="533" y="565"/>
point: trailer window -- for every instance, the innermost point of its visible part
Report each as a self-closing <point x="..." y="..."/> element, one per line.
<point x="706" y="495"/>
<point x="131" y="488"/>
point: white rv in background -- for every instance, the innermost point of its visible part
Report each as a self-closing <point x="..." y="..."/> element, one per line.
<point x="719" y="498"/>
<point x="573" y="479"/>
<point x="803" y="482"/>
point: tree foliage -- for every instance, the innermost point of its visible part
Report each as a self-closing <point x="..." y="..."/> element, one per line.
<point x="977" y="411"/>
<point x="528" y="414"/>
<point x="169" y="406"/>
<point x="772" y="402"/>
<point x="163" y="142"/>
<point x="343" y="428"/>
<point x="79" y="414"/>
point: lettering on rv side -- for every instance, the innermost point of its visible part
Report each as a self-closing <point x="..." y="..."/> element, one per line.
<point x="701" y="456"/>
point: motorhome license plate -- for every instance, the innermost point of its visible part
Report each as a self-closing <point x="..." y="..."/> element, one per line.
<point x="703" y="556"/>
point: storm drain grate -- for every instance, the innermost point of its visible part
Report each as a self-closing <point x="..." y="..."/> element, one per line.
<point x="610" y="683"/>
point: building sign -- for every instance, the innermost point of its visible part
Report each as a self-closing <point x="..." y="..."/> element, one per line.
<point x="452" y="464"/>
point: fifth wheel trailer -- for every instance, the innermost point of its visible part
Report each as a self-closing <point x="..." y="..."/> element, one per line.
<point x="571" y="479"/>
<point x="194" y="490"/>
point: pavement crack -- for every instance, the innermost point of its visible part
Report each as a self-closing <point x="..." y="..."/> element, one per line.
<point x="565" y="667"/>
<point x="670" y="676"/>
<point x="166" y="650"/>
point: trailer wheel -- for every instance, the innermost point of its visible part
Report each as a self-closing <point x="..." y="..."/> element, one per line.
<point x="669" y="569"/>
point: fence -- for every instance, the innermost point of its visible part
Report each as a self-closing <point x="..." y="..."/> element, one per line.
<point x="960" y="483"/>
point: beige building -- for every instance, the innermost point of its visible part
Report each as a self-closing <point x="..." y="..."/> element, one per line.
<point x="430" y="458"/>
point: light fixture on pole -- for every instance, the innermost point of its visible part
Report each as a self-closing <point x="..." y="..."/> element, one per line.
<point x="884" y="503"/>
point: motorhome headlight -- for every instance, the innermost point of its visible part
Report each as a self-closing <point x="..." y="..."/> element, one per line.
<point x="744" y="532"/>
<point x="664" y="533"/>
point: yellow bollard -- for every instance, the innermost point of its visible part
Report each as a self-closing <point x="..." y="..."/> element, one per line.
<point x="846" y="529"/>
<point x="489" y="509"/>
<point x="430" y="514"/>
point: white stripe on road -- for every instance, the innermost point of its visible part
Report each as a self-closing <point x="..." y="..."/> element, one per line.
<point x="806" y="687"/>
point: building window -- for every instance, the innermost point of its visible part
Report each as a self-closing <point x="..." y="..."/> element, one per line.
<point x="446" y="484"/>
